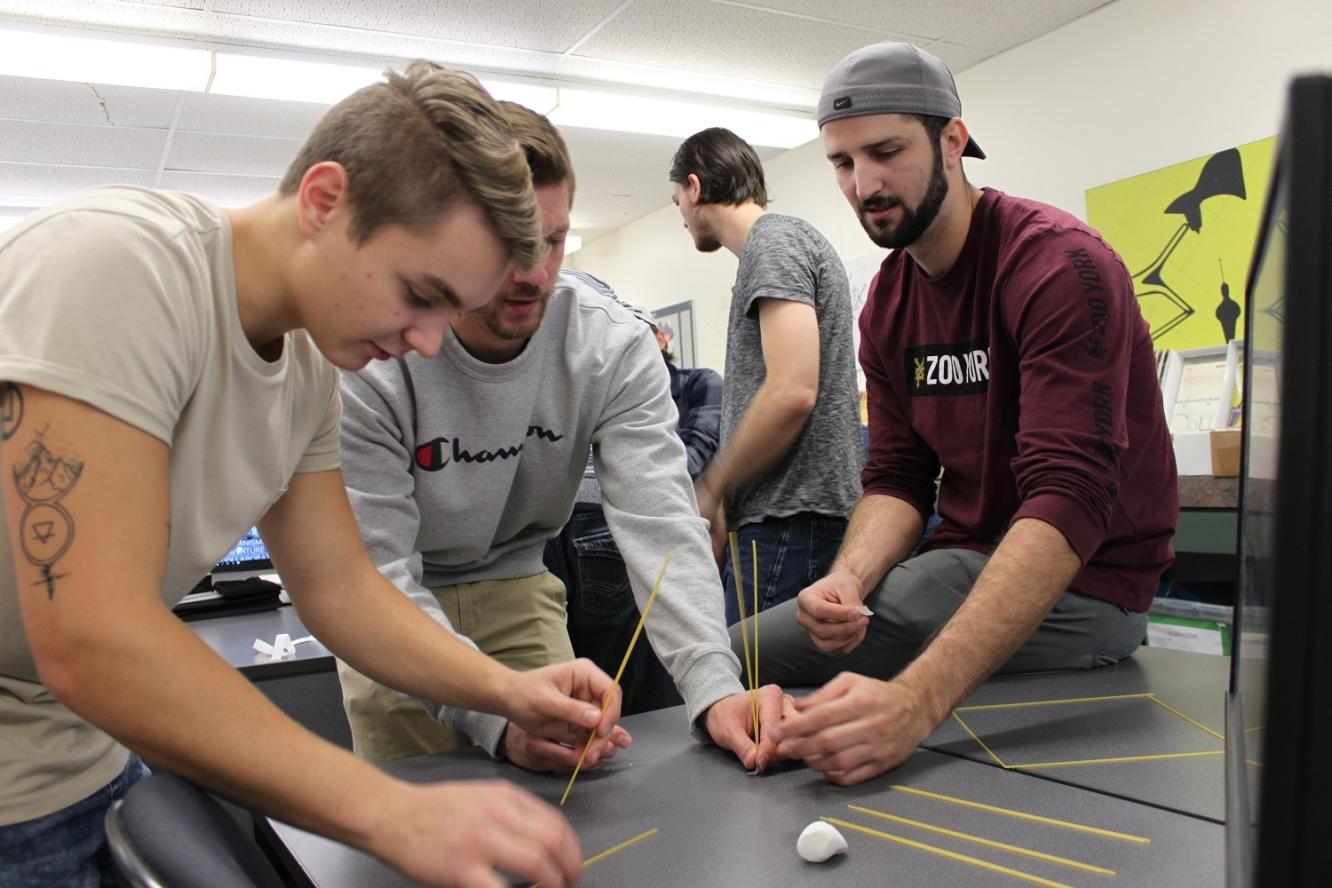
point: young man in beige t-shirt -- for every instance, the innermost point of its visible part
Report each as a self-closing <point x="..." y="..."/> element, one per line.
<point x="164" y="384"/>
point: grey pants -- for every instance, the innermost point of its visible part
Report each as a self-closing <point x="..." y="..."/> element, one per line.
<point x="914" y="600"/>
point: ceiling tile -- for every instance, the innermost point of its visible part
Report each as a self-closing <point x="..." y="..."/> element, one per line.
<point x="994" y="25"/>
<point x="518" y="23"/>
<point x="958" y="58"/>
<point x="24" y="98"/>
<point x="228" y="190"/>
<point x="217" y="153"/>
<point x="27" y="141"/>
<point x="907" y="17"/>
<point x="178" y="4"/>
<point x="43" y="183"/>
<point x="587" y="146"/>
<point x="755" y="44"/>
<point x="234" y="149"/>
<point x="249" y="117"/>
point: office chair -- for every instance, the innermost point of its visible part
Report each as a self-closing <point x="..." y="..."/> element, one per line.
<point x="168" y="833"/>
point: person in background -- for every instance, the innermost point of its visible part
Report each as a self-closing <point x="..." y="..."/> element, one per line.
<point x="786" y="475"/>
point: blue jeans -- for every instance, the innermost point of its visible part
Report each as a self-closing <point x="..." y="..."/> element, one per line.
<point x="602" y="610"/>
<point x="792" y="553"/>
<point x="66" y="847"/>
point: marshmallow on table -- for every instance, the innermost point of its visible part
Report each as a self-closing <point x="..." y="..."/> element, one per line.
<point x="820" y="841"/>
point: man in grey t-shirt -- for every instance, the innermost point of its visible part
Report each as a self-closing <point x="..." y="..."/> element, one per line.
<point x="787" y="474"/>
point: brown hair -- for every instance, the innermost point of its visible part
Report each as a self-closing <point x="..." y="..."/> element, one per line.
<point x="729" y="170"/>
<point x="547" y="155"/>
<point x="419" y="143"/>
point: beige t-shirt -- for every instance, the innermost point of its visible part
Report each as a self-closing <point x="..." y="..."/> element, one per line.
<point x="125" y="298"/>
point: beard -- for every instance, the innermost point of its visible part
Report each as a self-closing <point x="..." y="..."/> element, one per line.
<point x="706" y="244"/>
<point x="492" y="315"/>
<point x="915" y="222"/>
<point x="705" y="239"/>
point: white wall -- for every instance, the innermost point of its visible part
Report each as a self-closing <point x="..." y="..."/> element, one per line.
<point x="1136" y="85"/>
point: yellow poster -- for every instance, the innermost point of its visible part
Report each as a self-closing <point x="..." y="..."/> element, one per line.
<point x="1187" y="233"/>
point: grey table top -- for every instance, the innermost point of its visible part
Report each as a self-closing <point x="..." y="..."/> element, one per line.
<point x="1148" y="728"/>
<point x="720" y="826"/>
<point x="233" y="639"/>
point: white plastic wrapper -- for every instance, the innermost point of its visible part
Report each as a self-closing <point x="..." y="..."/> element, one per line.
<point x="282" y="646"/>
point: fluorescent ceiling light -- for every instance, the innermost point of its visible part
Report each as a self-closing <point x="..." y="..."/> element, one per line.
<point x="572" y="243"/>
<point x="53" y="56"/>
<point x="292" y="80"/>
<point x="656" y="116"/>
<point x="541" y="99"/>
<point x="108" y="59"/>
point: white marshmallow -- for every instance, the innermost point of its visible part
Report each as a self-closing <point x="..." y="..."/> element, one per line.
<point x="820" y="841"/>
<point x="864" y="609"/>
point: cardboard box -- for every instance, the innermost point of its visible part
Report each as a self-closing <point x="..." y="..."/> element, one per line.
<point x="1225" y="452"/>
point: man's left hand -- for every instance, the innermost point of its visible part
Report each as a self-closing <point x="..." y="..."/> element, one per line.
<point x="855" y="728"/>
<point x="730" y="723"/>
<point x="560" y="754"/>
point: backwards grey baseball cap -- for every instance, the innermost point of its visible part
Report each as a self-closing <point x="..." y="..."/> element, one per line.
<point x="891" y="78"/>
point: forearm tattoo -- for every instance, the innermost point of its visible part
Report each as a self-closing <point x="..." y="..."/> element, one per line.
<point x="42" y="478"/>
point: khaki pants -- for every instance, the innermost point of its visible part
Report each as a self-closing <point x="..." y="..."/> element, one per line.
<point x="521" y="623"/>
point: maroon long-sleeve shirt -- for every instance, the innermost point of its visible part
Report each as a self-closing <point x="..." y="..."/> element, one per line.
<point x="1025" y="371"/>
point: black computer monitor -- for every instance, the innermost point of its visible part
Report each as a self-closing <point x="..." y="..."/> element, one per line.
<point x="248" y="555"/>
<point x="1279" y="709"/>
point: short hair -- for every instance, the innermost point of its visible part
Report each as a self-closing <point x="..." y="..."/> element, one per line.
<point x="418" y="144"/>
<point x="728" y="169"/>
<point x="934" y="126"/>
<point x="547" y="155"/>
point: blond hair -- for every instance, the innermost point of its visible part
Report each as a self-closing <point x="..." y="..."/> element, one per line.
<point x="417" y="145"/>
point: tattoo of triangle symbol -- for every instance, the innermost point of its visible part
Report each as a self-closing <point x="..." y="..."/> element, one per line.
<point x="43" y="531"/>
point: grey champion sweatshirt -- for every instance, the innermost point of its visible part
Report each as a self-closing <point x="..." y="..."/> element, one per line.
<point x="459" y="471"/>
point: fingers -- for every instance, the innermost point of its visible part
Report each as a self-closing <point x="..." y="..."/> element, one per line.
<point x="823" y="604"/>
<point x="833" y="626"/>
<point x="574" y="693"/>
<point x="859" y="763"/>
<point x="536" y="842"/>
<point x="771" y="703"/>
<point x="730" y="724"/>
<point x="802" y="733"/>
<point x="461" y="833"/>
<point x="593" y="684"/>
<point x="549" y="756"/>
<point x="840" y="685"/>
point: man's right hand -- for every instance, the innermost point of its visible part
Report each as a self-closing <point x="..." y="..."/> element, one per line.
<point x="459" y="834"/>
<point x="829" y="611"/>
<point x="562" y="700"/>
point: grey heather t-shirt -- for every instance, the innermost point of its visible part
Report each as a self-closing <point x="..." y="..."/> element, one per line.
<point x="787" y="258"/>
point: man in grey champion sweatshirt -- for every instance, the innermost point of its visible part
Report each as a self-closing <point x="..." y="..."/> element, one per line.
<point x="460" y="467"/>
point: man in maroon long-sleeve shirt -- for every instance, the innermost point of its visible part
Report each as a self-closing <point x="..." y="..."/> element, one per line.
<point x="1002" y="344"/>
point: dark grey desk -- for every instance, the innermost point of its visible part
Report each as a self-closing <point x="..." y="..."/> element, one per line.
<point x="719" y="826"/>
<point x="233" y="639"/>
<point x="1108" y="745"/>
<point x="305" y="686"/>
